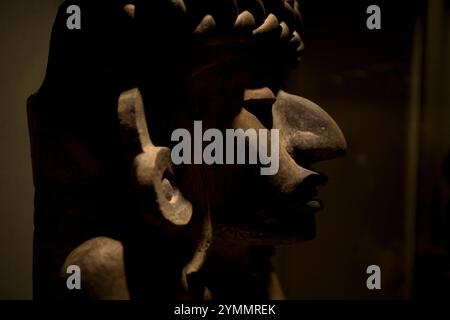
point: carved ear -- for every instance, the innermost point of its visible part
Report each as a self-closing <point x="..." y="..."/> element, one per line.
<point x="158" y="195"/>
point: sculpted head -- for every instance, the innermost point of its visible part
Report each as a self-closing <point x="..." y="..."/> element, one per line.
<point x="118" y="91"/>
<point x="224" y="63"/>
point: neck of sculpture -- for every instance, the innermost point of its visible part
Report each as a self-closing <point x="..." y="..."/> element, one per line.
<point x="236" y="270"/>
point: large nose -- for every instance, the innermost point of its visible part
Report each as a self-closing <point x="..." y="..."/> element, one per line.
<point x="307" y="135"/>
<point x="307" y="132"/>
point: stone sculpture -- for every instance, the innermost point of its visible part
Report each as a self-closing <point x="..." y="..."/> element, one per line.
<point x="108" y="197"/>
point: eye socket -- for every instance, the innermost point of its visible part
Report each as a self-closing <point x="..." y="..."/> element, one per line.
<point x="262" y="109"/>
<point x="259" y="102"/>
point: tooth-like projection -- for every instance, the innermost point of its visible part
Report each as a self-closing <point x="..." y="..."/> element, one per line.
<point x="179" y="4"/>
<point x="284" y="30"/>
<point x="207" y="24"/>
<point x="269" y="24"/>
<point x="245" y="21"/>
<point x="130" y="10"/>
<point x="297" y="41"/>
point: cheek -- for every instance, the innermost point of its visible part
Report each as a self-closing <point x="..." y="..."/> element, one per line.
<point x="236" y="192"/>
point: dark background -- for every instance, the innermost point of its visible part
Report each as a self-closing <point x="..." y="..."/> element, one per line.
<point x="386" y="202"/>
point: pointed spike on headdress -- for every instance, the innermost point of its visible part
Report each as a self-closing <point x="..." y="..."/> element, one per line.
<point x="284" y="30"/>
<point x="269" y="24"/>
<point x="207" y="24"/>
<point x="130" y="10"/>
<point x="245" y="21"/>
<point x="179" y="4"/>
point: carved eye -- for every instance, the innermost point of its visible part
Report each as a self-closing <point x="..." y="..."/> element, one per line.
<point x="259" y="102"/>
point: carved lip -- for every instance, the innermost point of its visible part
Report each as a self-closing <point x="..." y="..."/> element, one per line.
<point x="295" y="209"/>
<point x="281" y="217"/>
<point x="315" y="203"/>
<point x="290" y="217"/>
<point x="292" y="207"/>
